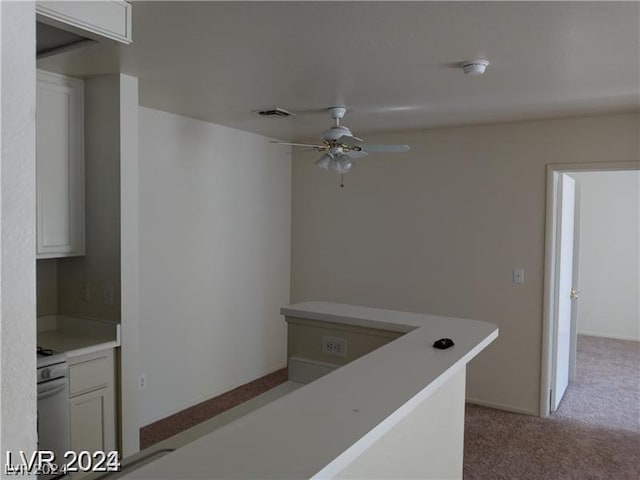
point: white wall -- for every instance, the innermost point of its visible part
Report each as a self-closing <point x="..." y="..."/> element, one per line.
<point x="129" y="264"/>
<point x="609" y="254"/>
<point x="214" y="259"/>
<point x="440" y="229"/>
<point x="101" y="264"/>
<point x="17" y="229"/>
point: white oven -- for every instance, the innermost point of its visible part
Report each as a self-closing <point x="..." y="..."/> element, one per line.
<point x="53" y="406"/>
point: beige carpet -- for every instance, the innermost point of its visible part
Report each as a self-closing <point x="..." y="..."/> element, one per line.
<point x="594" y="435"/>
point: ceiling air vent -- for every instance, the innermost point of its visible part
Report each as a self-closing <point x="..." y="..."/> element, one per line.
<point x="275" y="112"/>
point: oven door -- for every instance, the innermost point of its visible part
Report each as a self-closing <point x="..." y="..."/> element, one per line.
<point x="53" y="419"/>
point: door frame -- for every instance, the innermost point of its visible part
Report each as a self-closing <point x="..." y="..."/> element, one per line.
<point x="550" y="257"/>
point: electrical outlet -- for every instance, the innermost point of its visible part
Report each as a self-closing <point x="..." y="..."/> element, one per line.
<point x="142" y="382"/>
<point x="85" y="292"/>
<point x="334" y="346"/>
<point x="107" y="295"/>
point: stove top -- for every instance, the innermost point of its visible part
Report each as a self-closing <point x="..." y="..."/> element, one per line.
<point x="47" y="357"/>
<point x="45" y="352"/>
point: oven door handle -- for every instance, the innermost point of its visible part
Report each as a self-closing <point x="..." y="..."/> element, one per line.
<point x="51" y="388"/>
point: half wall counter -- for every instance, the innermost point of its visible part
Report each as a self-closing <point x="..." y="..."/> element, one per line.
<point x="394" y="412"/>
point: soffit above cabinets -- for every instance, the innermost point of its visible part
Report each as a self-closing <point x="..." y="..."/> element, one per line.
<point x="51" y="40"/>
<point x="396" y="65"/>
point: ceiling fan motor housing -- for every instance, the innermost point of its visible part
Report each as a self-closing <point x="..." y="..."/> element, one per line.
<point x="337" y="112"/>
<point x="335" y="133"/>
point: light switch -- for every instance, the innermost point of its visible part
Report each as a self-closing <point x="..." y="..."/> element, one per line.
<point x="518" y="276"/>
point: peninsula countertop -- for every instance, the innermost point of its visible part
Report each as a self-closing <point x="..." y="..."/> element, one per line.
<point x="320" y="428"/>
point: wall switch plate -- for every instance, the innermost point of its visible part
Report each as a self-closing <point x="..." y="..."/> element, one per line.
<point x="142" y="382"/>
<point x="334" y="346"/>
<point x="107" y="295"/>
<point x="518" y="276"/>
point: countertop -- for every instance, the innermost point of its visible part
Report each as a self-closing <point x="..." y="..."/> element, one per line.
<point x="321" y="427"/>
<point x="77" y="336"/>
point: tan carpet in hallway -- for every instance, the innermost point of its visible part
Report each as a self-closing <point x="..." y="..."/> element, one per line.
<point x="594" y="435"/>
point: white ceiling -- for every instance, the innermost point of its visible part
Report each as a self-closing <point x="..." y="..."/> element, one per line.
<point x="393" y="64"/>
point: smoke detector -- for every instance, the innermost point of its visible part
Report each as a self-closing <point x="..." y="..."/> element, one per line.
<point x="475" y="67"/>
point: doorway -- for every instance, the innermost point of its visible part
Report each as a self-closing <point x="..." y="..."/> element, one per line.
<point x="561" y="297"/>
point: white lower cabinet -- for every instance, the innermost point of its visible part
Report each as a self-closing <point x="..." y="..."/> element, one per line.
<point x="92" y="403"/>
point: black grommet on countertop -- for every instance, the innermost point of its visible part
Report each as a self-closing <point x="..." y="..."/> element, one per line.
<point x="443" y="343"/>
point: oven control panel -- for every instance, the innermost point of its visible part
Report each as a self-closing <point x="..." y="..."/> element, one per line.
<point x="51" y="372"/>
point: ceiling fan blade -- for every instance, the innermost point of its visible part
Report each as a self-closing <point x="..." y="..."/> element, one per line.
<point x="297" y="144"/>
<point x="385" y="148"/>
<point x="349" y="141"/>
<point x="356" y="154"/>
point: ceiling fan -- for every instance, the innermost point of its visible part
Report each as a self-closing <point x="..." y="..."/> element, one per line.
<point x="340" y="147"/>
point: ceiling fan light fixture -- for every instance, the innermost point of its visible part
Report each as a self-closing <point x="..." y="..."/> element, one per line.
<point x="346" y="164"/>
<point x="334" y="166"/>
<point x="324" y="162"/>
<point x="341" y="164"/>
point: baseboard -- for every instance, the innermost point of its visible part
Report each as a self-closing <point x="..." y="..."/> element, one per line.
<point x="500" y="406"/>
<point x="613" y="337"/>
<point x="303" y="370"/>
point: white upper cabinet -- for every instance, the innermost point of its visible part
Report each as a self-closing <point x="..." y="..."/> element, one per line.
<point x="60" y="226"/>
<point x="109" y="19"/>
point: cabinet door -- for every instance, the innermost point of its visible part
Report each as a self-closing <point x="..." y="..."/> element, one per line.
<point x="92" y="421"/>
<point x="105" y="19"/>
<point x="59" y="166"/>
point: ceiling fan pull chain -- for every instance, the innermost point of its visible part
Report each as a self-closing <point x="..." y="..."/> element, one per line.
<point x="342" y="180"/>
